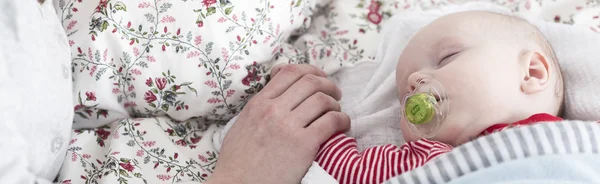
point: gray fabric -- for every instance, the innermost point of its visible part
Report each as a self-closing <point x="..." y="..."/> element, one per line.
<point x="562" y="138"/>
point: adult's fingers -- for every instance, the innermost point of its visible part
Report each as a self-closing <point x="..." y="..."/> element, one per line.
<point x="314" y="107"/>
<point x="330" y="123"/>
<point x="304" y="88"/>
<point x="285" y="77"/>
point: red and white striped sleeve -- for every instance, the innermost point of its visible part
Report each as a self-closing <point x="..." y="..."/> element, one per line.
<point x="339" y="156"/>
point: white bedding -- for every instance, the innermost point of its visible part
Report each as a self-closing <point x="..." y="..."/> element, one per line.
<point x="341" y="34"/>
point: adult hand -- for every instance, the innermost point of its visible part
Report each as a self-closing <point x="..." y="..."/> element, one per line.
<point x="279" y="132"/>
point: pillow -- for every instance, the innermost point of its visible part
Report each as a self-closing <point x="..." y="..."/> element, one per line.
<point x="579" y="59"/>
<point x="142" y="58"/>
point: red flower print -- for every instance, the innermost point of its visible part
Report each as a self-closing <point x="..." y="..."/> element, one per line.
<point x="198" y="40"/>
<point x="163" y="177"/>
<point x="144" y="5"/>
<point x="139" y="153"/>
<point x="149" y="82"/>
<point x="66" y="182"/>
<point x="177" y="87"/>
<point x="161" y="83"/>
<point x="164" y="48"/>
<point x="167" y="19"/>
<point x="200" y="23"/>
<point x="91" y="96"/>
<point x="196" y="140"/>
<point x="136" y="71"/>
<point x="557" y="18"/>
<point x="211" y="84"/>
<point x="374" y="17"/>
<point x="214" y="100"/>
<point x="246" y="80"/>
<point x="103" y="112"/>
<point x="127" y="166"/>
<point x="72" y="141"/>
<point x="77" y="107"/>
<point x="207" y="3"/>
<point x="181" y="142"/>
<point x="86" y="156"/>
<point x="149" y="97"/>
<point x="230" y="93"/>
<point x="149" y="143"/>
<point x="176" y="155"/>
<point x="103" y="134"/>
<point x="251" y="77"/>
<point x="202" y="158"/>
<point x="74" y="9"/>
<point x="374" y="7"/>
<point x="101" y="5"/>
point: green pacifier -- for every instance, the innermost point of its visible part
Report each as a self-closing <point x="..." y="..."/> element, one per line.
<point x="425" y="108"/>
<point x="419" y="108"/>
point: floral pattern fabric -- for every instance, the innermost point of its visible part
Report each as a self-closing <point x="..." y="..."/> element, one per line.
<point x="181" y="58"/>
<point x="154" y="79"/>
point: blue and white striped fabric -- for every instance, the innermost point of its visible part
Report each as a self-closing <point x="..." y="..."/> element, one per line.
<point x="518" y="146"/>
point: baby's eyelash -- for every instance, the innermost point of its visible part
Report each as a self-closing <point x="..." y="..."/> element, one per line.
<point x="448" y="56"/>
<point x="441" y="62"/>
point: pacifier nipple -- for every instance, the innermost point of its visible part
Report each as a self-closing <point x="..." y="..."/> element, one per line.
<point x="425" y="108"/>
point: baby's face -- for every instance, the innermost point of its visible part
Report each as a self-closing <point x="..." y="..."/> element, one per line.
<point x="478" y="68"/>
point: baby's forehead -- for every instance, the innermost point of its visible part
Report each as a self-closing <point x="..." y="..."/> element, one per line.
<point x="474" y="21"/>
<point x="474" y="25"/>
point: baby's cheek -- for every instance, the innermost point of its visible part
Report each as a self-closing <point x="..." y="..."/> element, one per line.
<point x="407" y="134"/>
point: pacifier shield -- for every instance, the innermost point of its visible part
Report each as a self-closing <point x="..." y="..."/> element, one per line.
<point x="425" y="108"/>
<point x="420" y="108"/>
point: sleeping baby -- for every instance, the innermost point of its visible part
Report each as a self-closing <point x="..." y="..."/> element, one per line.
<point x="464" y="75"/>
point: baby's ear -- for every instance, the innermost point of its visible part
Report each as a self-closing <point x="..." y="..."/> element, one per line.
<point x="536" y="72"/>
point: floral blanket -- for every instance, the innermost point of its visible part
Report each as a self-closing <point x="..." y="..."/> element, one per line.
<point x="156" y="78"/>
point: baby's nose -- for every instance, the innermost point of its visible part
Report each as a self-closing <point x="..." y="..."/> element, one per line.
<point x="414" y="80"/>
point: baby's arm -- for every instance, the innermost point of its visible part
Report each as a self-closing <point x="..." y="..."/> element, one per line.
<point x="339" y="156"/>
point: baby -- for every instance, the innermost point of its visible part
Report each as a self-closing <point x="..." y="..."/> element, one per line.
<point x="464" y="75"/>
